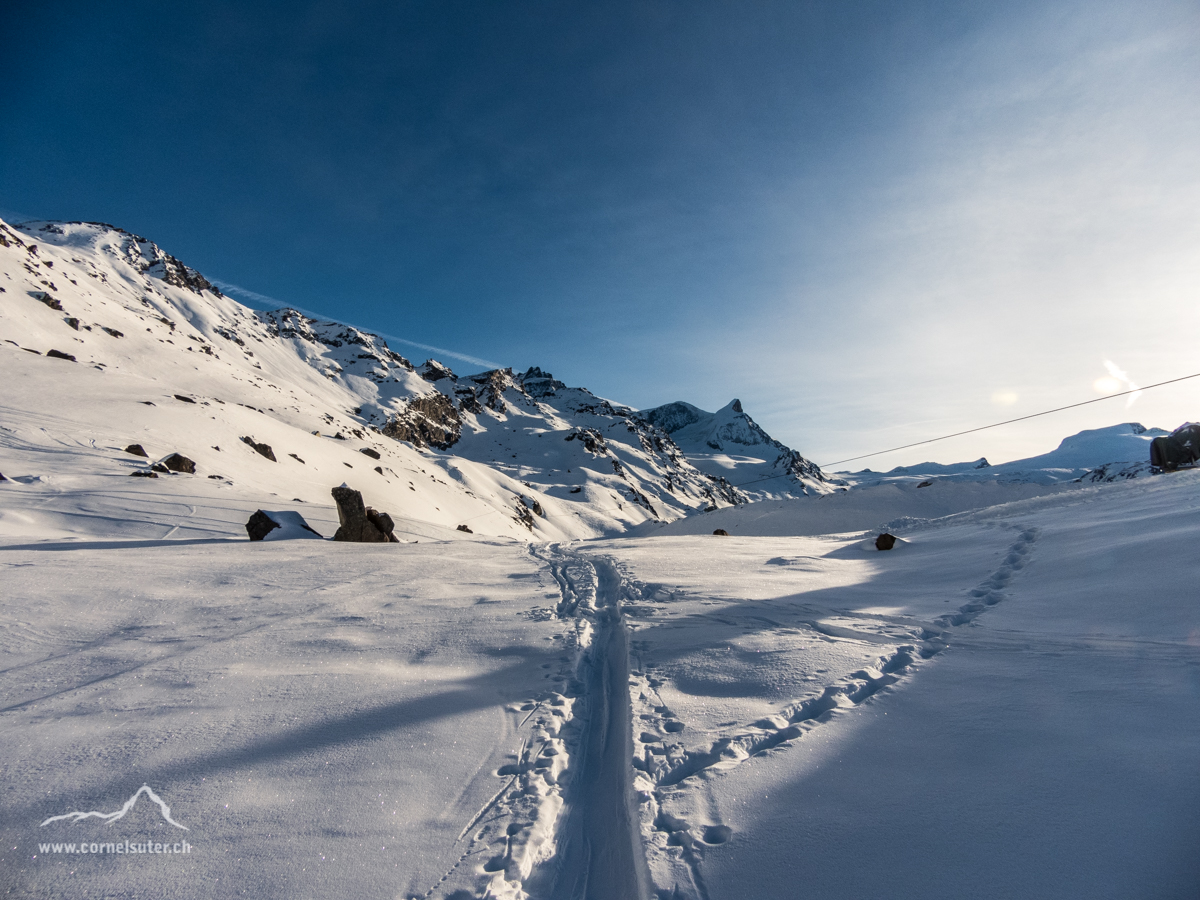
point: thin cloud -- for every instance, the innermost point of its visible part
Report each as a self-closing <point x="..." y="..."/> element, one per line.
<point x="272" y="303"/>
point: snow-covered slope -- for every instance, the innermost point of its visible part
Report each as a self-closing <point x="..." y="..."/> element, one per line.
<point x="1099" y="454"/>
<point x="109" y="341"/>
<point x="729" y="444"/>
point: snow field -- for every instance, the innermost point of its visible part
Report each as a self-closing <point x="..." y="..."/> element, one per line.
<point x="325" y="719"/>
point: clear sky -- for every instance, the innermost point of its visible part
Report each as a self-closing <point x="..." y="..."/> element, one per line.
<point x="874" y="222"/>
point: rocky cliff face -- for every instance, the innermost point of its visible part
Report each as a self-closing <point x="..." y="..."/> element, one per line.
<point x="729" y="441"/>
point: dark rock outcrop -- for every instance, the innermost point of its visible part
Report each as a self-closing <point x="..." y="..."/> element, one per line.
<point x="260" y="525"/>
<point x="367" y="451"/>
<point x="261" y="449"/>
<point x="49" y="299"/>
<point x="143" y="474"/>
<point x="358" y="522"/>
<point x="432" y="370"/>
<point x="58" y="354"/>
<point x="492" y="385"/>
<point x="539" y="384"/>
<point x="184" y="399"/>
<point x="137" y="450"/>
<point x="429" y="421"/>
<point x="592" y="440"/>
<point x="464" y="528"/>
<point x="524" y="514"/>
<point x="177" y="462"/>
<point x="885" y="541"/>
<point x="721" y="531"/>
<point x="263" y="523"/>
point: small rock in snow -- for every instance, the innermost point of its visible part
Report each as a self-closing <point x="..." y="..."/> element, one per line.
<point x="177" y="462"/>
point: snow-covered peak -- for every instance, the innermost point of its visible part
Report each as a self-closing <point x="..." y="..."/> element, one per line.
<point x="136" y="251"/>
<point x="154" y="355"/>
<point x="730" y="443"/>
<point x="1075" y="457"/>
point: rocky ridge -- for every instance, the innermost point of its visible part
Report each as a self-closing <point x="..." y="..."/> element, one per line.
<point x="523" y="453"/>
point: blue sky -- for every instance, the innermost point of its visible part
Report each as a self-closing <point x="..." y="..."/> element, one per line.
<point x="873" y="222"/>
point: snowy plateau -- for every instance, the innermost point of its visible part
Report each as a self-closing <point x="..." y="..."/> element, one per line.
<point x="560" y="683"/>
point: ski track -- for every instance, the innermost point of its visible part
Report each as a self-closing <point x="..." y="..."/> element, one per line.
<point x="562" y="824"/>
<point x="600" y="852"/>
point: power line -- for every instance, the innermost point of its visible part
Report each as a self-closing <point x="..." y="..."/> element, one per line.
<point x="894" y="449"/>
<point x="1010" y="421"/>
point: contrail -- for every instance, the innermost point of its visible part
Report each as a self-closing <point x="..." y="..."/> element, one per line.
<point x="120" y="813"/>
<point x="274" y="303"/>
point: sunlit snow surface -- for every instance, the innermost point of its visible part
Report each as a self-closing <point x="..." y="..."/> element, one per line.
<point x="1007" y="704"/>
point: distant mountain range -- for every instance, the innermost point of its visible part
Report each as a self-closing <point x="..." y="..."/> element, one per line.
<point x="1099" y="454"/>
<point x="110" y="337"/>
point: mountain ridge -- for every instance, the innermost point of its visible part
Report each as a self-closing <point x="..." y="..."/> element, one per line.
<point x="515" y="454"/>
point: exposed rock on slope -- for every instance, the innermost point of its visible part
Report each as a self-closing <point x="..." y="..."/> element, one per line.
<point x="729" y="440"/>
<point x="452" y="448"/>
<point x="430" y="421"/>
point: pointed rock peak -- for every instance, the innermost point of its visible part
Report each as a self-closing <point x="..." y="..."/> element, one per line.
<point x="432" y="370"/>
<point x="540" y="383"/>
<point x="736" y="405"/>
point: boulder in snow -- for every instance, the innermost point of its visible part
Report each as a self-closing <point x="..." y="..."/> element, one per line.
<point x="1179" y="448"/>
<point x="721" y="532"/>
<point x="137" y="450"/>
<point x="367" y="451"/>
<point x="177" y="462"/>
<point x="49" y="299"/>
<point x="262" y="449"/>
<point x="359" y="523"/>
<point x="58" y="354"/>
<point x="279" y="526"/>
<point x="464" y="528"/>
<point x="885" y="541"/>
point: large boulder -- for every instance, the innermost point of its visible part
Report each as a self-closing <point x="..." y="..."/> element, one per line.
<point x="279" y="526"/>
<point x="358" y="522"/>
<point x="260" y="525"/>
<point x="137" y="450"/>
<point x="885" y="541"/>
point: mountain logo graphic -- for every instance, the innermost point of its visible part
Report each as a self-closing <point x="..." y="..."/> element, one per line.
<point x="111" y="817"/>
